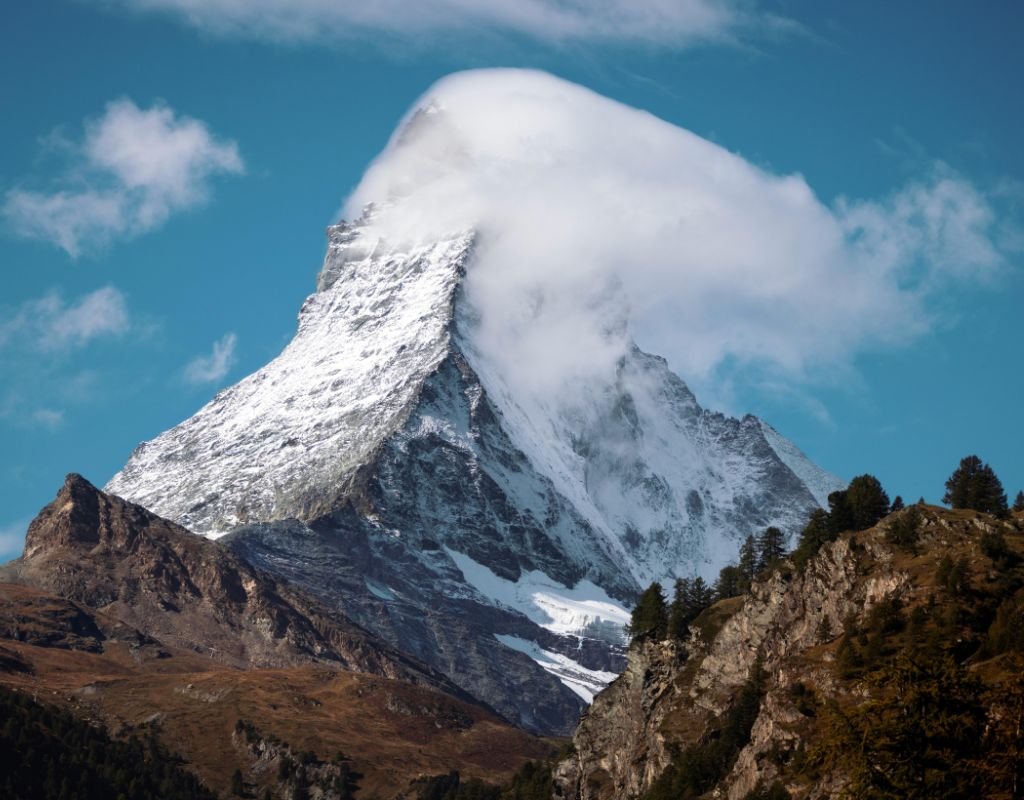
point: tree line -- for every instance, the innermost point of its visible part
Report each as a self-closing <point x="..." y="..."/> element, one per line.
<point x="861" y="505"/>
<point x="48" y="754"/>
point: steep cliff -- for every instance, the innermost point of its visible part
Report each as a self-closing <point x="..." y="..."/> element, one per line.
<point x="472" y="456"/>
<point x="97" y="551"/>
<point x="786" y="674"/>
<point x="383" y="464"/>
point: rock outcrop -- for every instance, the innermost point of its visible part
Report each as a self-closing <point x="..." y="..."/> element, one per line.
<point x="382" y="462"/>
<point x="105" y="558"/>
<point x="788" y="631"/>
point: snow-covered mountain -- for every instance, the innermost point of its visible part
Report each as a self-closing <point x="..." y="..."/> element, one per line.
<point x="496" y="528"/>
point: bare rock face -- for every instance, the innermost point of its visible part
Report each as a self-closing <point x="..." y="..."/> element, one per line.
<point x="99" y="552"/>
<point x="610" y="760"/>
<point x="387" y="466"/>
<point x="671" y="694"/>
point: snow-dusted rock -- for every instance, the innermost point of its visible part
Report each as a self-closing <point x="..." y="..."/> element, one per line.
<point x="389" y="462"/>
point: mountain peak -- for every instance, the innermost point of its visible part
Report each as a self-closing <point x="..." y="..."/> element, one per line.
<point x="466" y="445"/>
<point x="101" y="551"/>
<point x="72" y="519"/>
<point x="288" y="440"/>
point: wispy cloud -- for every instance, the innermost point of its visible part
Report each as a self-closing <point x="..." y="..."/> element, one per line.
<point x="598" y="223"/>
<point x="213" y="367"/>
<point x="132" y="170"/>
<point x="50" y="323"/>
<point x="40" y="344"/>
<point x="941" y="221"/>
<point x="667" y="23"/>
<point x="48" y="418"/>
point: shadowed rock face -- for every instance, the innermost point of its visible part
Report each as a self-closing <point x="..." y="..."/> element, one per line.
<point x="384" y="465"/>
<point x="673" y="693"/>
<point x="790" y="628"/>
<point x="96" y="550"/>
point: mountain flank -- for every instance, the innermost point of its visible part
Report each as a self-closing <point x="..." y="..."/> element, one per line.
<point x="129" y="620"/>
<point x="888" y="666"/>
<point x="389" y="467"/>
<point x="98" y="550"/>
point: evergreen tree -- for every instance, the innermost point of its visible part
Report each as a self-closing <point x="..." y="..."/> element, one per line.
<point x="1018" y="502"/>
<point x="904" y="530"/>
<point x="897" y="505"/>
<point x="866" y="501"/>
<point x="690" y="598"/>
<point x="917" y="740"/>
<point x="731" y="583"/>
<point x="771" y="548"/>
<point x="48" y="754"/>
<point x="700" y="597"/>
<point x="839" y="517"/>
<point x="237" y="784"/>
<point x="816" y="533"/>
<point x="748" y="558"/>
<point x="975" y="486"/>
<point x="678" y="613"/>
<point x="650" y="617"/>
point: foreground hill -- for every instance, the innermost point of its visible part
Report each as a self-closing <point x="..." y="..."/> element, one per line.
<point x="125" y="618"/>
<point x="888" y="666"/>
<point x="98" y="550"/>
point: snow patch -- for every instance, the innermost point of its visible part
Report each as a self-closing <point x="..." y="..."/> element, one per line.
<point x="584" y="682"/>
<point x="583" y="610"/>
<point x="378" y="591"/>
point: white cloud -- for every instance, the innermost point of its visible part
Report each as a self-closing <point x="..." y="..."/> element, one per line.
<point x="669" y="23"/>
<point x="943" y="220"/>
<point x="213" y="367"/>
<point x="41" y="359"/>
<point x="48" y="418"/>
<point x="598" y="223"/>
<point x="134" y="168"/>
<point x="50" y="323"/>
<point x="12" y="538"/>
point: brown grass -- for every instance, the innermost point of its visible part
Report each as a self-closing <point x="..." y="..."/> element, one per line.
<point x="392" y="731"/>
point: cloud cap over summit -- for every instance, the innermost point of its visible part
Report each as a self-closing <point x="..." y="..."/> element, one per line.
<point x="585" y="207"/>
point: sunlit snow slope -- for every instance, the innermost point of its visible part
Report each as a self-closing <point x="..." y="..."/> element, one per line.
<point x="494" y="518"/>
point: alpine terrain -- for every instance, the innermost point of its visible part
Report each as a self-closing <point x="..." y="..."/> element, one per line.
<point x="141" y="629"/>
<point x="396" y="465"/>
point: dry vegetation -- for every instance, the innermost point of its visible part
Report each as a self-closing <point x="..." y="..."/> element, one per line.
<point x="391" y="731"/>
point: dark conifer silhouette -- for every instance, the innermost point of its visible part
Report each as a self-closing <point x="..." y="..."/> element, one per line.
<point x="748" y="558"/>
<point x="650" y="617"/>
<point x="974" y="485"/>
<point x="731" y="582"/>
<point x="771" y="548"/>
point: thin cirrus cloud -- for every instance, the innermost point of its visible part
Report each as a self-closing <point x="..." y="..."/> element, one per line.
<point x="598" y="224"/>
<point x="40" y="339"/>
<point x="214" y="366"/>
<point x="50" y="323"/>
<point x="132" y="170"/>
<point x="667" y="23"/>
<point x="48" y="418"/>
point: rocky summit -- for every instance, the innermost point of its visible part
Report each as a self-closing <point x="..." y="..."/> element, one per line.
<point x="98" y="551"/>
<point x="142" y="629"/>
<point x="385" y="462"/>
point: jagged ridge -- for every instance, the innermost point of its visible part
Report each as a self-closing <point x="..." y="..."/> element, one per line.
<point x="382" y="426"/>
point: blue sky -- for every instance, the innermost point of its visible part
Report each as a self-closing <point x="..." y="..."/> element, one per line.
<point x="176" y="286"/>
